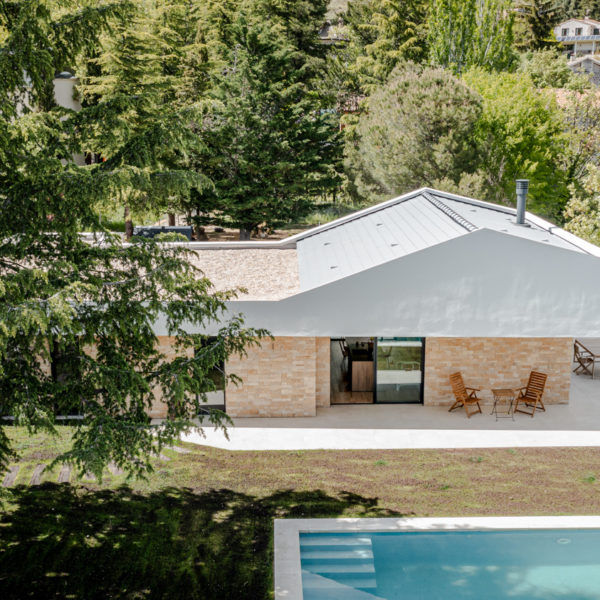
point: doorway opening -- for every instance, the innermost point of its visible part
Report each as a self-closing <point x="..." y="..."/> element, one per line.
<point x="377" y="370"/>
<point x="352" y="370"/>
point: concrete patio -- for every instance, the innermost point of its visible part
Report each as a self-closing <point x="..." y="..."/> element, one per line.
<point x="417" y="426"/>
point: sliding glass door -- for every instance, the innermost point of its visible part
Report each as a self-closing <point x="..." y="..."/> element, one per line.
<point x="399" y="370"/>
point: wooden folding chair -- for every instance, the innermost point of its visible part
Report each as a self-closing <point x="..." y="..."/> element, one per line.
<point x="530" y="396"/>
<point x="464" y="396"/>
<point x="584" y="359"/>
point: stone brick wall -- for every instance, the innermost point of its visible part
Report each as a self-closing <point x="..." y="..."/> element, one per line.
<point x="279" y="379"/>
<point x="488" y="363"/>
<point x="323" y="384"/>
<point x="166" y="346"/>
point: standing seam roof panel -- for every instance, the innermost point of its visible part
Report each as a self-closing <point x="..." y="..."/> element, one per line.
<point x="360" y="244"/>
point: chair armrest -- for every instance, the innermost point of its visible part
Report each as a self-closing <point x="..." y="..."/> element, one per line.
<point x="473" y="389"/>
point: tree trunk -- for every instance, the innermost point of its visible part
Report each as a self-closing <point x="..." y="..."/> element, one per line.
<point x="128" y="224"/>
<point x="171" y="219"/>
<point x="201" y="234"/>
<point x="245" y="234"/>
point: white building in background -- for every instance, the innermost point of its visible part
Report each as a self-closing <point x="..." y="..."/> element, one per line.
<point x="64" y="90"/>
<point x="65" y="95"/>
<point x="579" y="36"/>
<point x="587" y="65"/>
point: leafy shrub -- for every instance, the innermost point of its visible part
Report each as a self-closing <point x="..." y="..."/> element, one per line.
<point x="170" y="236"/>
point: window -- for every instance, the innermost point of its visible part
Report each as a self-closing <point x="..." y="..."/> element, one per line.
<point x="215" y="388"/>
<point x="578" y="30"/>
<point x="399" y="370"/>
<point x="65" y="369"/>
<point x="564" y="32"/>
<point x="596" y="31"/>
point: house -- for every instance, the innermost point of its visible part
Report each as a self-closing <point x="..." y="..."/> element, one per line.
<point x="589" y="65"/>
<point x="579" y="36"/>
<point x="332" y="33"/>
<point x="384" y="304"/>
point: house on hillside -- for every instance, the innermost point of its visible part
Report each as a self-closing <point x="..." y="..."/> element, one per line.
<point x="579" y="36"/>
<point x="332" y="33"/>
<point x="382" y="305"/>
<point x="587" y="65"/>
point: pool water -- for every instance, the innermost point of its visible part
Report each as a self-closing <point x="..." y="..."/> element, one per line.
<point x="452" y="565"/>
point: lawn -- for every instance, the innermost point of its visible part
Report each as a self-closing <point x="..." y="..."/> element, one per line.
<point x="200" y="526"/>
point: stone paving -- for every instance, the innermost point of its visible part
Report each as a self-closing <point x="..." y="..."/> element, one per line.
<point x="416" y="426"/>
<point x="66" y="472"/>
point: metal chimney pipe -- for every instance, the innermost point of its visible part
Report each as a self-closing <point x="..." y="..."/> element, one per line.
<point x="522" y="187"/>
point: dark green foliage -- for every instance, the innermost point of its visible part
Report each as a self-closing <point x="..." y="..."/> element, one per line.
<point x="420" y="129"/>
<point x="169" y="544"/>
<point x="521" y="134"/>
<point x="465" y="33"/>
<point x="534" y="21"/>
<point x="77" y="318"/>
<point x="384" y="33"/>
<point x="270" y="148"/>
<point x="577" y="9"/>
<point x="548" y="69"/>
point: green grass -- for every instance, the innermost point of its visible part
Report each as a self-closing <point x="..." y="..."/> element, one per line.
<point x="201" y="525"/>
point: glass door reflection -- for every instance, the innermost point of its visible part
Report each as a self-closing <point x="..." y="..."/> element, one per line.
<point x="399" y="370"/>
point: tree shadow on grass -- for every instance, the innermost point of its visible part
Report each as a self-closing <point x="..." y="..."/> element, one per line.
<point x="66" y="542"/>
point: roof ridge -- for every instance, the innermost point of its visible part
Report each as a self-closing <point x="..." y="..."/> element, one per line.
<point x="369" y="210"/>
<point x="450" y="213"/>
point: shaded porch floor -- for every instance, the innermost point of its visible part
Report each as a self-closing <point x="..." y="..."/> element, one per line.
<point x="417" y="426"/>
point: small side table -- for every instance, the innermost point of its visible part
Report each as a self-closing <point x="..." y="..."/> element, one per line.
<point x="504" y="397"/>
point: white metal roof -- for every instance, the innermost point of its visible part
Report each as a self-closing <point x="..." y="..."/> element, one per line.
<point x="408" y="224"/>
<point x="397" y="228"/>
<point x="372" y="239"/>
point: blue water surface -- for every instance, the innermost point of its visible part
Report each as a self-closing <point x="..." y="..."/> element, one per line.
<point x="466" y="565"/>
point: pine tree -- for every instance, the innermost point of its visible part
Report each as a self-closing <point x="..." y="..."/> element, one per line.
<point x="270" y="148"/>
<point x="577" y="9"/>
<point x="534" y="22"/>
<point x="465" y="33"/>
<point x="135" y="89"/>
<point x="420" y="129"/>
<point x="77" y="318"/>
<point x="385" y="33"/>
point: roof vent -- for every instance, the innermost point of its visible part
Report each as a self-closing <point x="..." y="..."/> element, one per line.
<point x="522" y="188"/>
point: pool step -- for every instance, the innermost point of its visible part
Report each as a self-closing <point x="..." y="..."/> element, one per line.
<point x="332" y="540"/>
<point x="345" y="560"/>
<point x="366" y="567"/>
<point x="316" y="587"/>
<point x="336" y="554"/>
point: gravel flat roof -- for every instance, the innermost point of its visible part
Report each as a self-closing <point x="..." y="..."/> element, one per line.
<point x="267" y="274"/>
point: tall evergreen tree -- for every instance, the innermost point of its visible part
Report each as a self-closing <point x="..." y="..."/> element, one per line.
<point x="419" y="129"/>
<point x="270" y="148"/>
<point x="577" y="9"/>
<point x="534" y="20"/>
<point x="77" y="318"/>
<point x="384" y="33"/>
<point x="465" y="33"/>
<point x="138" y="72"/>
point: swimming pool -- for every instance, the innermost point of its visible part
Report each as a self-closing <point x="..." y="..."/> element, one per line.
<point x="525" y="558"/>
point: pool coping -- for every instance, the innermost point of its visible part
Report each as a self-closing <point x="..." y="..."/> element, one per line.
<point x="288" y="577"/>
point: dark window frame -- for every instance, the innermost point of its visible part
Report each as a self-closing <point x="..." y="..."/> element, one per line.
<point x="221" y="368"/>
